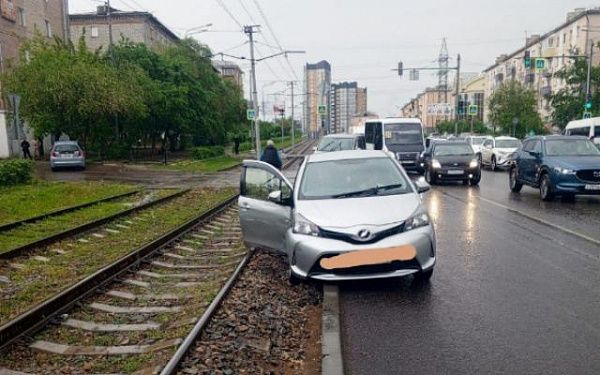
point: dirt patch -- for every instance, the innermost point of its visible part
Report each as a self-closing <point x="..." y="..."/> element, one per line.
<point x="265" y="326"/>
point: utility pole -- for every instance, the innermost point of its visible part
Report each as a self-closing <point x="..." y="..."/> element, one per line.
<point x="293" y="123"/>
<point x="457" y="95"/>
<point x="250" y="30"/>
<point x="109" y="19"/>
<point x="588" y="89"/>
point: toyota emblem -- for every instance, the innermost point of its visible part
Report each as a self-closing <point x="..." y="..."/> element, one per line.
<point x="364" y="234"/>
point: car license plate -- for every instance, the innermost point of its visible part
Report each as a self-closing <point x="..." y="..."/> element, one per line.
<point x="592" y="187"/>
<point x="456" y="172"/>
<point x="67" y="156"/>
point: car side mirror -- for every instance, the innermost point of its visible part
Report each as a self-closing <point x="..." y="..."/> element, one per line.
<point x="275" y="196"/>
<point x="534" y="154"/>
<point x="422" y="186"/>
<point x="314" y="149"/>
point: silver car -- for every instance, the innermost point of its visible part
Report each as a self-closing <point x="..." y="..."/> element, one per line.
<point x="350" y="215"/>
<point x="67" y="154"/>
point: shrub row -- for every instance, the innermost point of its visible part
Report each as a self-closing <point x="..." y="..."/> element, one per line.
<point x="15" y="171"/>
<point x="200" y="153"/>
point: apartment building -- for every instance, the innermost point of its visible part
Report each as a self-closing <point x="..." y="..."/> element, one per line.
<point x="361" y="100"/>
<point x="343" y="106"/>
<point x="429" y="107"/>
<point x="138" y="27"/>
<point x="317" y="86"/>
<point x="230" y="71"/>
<point x="559" y="47"/>
<point x="19" y="21"/>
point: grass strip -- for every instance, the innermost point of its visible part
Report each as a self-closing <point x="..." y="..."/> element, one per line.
<point x="38" y="230"/>
<point x="208" y="165"/>
<point x="24" y="201"/>
<point x="38" y="281"/>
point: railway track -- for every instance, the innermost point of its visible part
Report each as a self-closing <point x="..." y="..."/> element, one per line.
<point x="140" y="314"/>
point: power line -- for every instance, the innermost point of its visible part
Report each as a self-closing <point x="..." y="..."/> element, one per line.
<point x="224" y="7"/>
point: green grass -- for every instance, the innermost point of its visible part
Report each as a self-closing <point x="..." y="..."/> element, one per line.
<point x="39" y="197"/>
<point x="28" y="233"/>
<point x="207" y="165"/>
<point x="39" y="281"/>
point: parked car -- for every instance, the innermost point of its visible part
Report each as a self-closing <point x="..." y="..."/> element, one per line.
<point x="451" y="161"/>
<point x="341" y="142"/>
<point x="350" y="215"/>
<point x="496" y="152"/>
<point x="476" y="141"/>
<point x="557" y="165"/>
<point x="67" y="154"/>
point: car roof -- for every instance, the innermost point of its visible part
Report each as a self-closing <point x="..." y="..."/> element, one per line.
<point x="343" y="155"/>
<point x="342" y="135"/>
<point x="559" y="137"/>
<point x="66" y="143"/>
<point x="452" y="142"/>
<point x="506" y="138"/>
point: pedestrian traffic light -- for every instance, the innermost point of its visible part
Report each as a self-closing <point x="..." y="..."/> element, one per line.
<point x="400" y="68"/>
<point x="588" y="105"/>
<point x="527" y="59"/>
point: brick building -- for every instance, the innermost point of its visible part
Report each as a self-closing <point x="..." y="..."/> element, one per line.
<point x="138" y="27"/>
<point x="19" y="20"/>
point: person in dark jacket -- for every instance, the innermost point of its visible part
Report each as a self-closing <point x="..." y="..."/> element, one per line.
<point x="271" y="155"/>
<point x="25" y="147"/>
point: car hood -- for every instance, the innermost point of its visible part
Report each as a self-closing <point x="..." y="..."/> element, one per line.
<point x="574" y="162"/>
<point x="506" y="150"/>
<point x="350" y="212"/>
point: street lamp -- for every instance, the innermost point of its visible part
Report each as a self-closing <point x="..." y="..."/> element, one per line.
<point x="197" y="30"/>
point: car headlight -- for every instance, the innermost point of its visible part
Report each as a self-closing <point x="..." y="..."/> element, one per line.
<point x="564" y="170"/>
<point x="304" y="226"/>
<point x="418" y="220"/>
<point x="474" y="163"/>
<point x="435" y="164"/>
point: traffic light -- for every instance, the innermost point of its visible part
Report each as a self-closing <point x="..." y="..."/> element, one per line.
<point x="588" y="105"/>
<point x="527" y="59"/>
<point x="400" y="68"/>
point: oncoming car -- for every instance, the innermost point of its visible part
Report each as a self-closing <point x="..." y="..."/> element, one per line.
<point x="497" y="152"/>
<point x="341" y="142"/>
<point x="451" y="161"/>
<point x="350" y="215"/>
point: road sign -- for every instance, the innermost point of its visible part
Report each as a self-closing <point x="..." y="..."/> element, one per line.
<point x="587" y="114"/>
<point x="322" y="110"/>
<point x="540" y="64"/>
<point x="440" y="109"/>
<point x="251" y="114"/>
<point x="414" y="75"/>
<point x="473" y="110"/>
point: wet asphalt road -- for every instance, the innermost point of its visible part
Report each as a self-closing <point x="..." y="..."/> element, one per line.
<point x="508" y="296"/>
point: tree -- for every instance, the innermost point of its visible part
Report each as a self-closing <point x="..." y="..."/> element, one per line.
<point x="463" y="127"/>
<point x="513" y="101"/>
<point x="568" y="102"/>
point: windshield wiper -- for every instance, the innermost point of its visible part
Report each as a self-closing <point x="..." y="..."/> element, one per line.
<point x="367" y="192"/>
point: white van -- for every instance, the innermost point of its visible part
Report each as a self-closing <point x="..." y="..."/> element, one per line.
<point x="589" y="127"/>
<point x="403" y="137"/>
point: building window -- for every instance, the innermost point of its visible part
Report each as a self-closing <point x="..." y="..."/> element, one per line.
<point x="21" y="17"/>
<point x="48" y="29"/>
<point x="94" y="32"/>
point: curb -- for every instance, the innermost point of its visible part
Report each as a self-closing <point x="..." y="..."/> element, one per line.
<point x="331" y="350"/>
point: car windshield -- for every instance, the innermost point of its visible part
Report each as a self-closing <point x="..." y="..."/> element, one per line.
<point x="450" y="149"/>
<point x="336" y="144"/>
<point x="508" y="143"/>
<point x="568" y="147"/>
<point x="352" y="178"/>
<point x="66" y="148"/>
<point x="403" y="134"/>
<point x="477" y="141"/>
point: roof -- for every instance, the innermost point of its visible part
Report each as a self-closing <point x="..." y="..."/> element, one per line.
<point x="343" y="155"/>
<point x="117" y="14"/>
<point x="323" y="64"/>
<point x="546" y="35"/>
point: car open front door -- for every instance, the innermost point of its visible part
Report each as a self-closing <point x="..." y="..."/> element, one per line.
<point x="265" y="214"/>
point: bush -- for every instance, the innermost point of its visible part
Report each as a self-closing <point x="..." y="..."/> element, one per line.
<point x="200" y="153"/>
<point x="15" y="171"/>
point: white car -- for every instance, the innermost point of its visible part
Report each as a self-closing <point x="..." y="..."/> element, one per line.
<point x="476" y="141"/>
<point x="496" y="152"/>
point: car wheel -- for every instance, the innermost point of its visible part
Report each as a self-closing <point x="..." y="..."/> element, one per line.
<point x="423" y="276"/>
<point x="515" y="185"/>
<point x="476" y="179"/>
<point x="480" y="159"/>
<point x="494" y="166"/>
<point x="293" y="279"/>
<point x="546" y="193"/>
<point x="429" y="177"/>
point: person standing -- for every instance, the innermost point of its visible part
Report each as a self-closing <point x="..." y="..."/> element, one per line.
<point x="25" y="147"/>
<point x="271" y="155"/>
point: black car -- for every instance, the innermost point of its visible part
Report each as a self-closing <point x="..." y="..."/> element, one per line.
<point x="451" y="161"/>
<point x="557" y="165"/>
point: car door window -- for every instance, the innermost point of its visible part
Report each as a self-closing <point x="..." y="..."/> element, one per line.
<point x="527" y="146"/>
<point x="259" y="183"/>
<point x="537" y="147"/>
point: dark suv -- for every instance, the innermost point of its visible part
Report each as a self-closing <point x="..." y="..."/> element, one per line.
<point x="557" y="165"/>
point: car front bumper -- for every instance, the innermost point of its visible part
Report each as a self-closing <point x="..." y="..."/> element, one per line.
<point x="447" y="174"/>
<point x="305" y="253"/>
<point x="570" y="184"/>
<point x="75" y="162"/>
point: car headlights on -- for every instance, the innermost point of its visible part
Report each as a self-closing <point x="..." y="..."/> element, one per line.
<point x="304" y="226"/>
<point x="435" y="164"/>
<point x="418" y="220"/>
<point x="474" y="163"/>
<point x="564" y="170"/>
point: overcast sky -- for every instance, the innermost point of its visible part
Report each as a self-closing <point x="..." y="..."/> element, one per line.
<point x="363" y="40"/>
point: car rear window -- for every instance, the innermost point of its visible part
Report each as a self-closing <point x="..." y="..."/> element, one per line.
<point x="66" y="148"/>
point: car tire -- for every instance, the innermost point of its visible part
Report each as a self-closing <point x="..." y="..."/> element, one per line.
<point x="293" y="279"/>
<point x="423" y="276"/>
<point x="513" y="183"/>
<point x="429" y="177"/>
<point x="480" y="158"/>
<point x="476" y="179"/>
<point x="546" y="193"/>
<point x="493" y="165"/>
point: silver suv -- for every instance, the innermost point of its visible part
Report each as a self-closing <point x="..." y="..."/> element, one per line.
<point x="496" y="152"/>
<point x="350" y="215"/>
